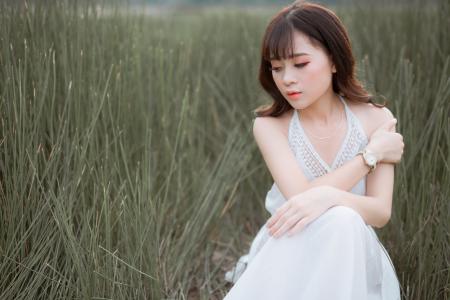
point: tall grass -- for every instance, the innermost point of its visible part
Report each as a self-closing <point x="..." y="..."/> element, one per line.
<point x="127" y="165"/>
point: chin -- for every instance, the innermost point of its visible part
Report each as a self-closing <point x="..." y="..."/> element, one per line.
<point x="299" y="104"/>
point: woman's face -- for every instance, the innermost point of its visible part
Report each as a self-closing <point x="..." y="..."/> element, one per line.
<point x="308" y="73"/>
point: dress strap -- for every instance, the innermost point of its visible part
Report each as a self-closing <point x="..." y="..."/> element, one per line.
<point x="345" y="104"/>
<point x="355" y="121"/>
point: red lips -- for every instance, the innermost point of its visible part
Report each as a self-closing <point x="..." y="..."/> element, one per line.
<point x="294" y="95"/>
<point x="293" y="92"/>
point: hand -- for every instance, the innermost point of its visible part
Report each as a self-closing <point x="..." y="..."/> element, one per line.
<point x="300" y="210"/>
<point x="386" y="143"/>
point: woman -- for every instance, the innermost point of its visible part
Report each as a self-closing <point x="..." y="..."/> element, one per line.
<point x="332" y="183"/>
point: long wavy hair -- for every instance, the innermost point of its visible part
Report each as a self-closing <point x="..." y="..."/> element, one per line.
<point x="325" y="30"/>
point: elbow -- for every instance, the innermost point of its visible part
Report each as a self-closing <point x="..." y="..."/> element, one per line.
<point x="384" y="218"/>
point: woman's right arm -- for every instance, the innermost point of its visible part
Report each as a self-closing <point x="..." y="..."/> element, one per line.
<point x="289" y="177"/>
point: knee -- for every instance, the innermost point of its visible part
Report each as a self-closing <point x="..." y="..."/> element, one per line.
<point x="342" y="216"/>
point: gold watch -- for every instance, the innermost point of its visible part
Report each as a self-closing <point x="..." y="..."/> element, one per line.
<point x="369" y="159"/>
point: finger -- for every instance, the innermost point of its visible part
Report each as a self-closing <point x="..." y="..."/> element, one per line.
<point x="388" y="124"/>
<point x="276" y="216"/>
<point x="391" y="124"/>
<point x="290" y="222"/>
<point x="273" y="219"/>
<point x="283" y="208"/>
<point x="279" y="212"/>
<point x="393" y="127"/>
<point x="299" y="226"/>
<point x="281" y="221"/>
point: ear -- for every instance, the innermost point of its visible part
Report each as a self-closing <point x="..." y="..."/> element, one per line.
<point x="333" y="67"/>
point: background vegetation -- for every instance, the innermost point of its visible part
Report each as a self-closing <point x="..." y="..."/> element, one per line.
<point x="127" y="165"/>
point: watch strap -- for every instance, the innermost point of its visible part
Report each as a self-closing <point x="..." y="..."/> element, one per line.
<point x="363" y="152"/>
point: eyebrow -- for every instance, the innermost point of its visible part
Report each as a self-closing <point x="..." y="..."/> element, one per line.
<point x="300" y="54"/>
<point x="295" y="55"/>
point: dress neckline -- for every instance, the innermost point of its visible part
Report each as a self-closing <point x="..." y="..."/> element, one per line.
<point x="328" y="167"/>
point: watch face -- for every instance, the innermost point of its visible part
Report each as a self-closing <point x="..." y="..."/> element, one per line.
<point x="371" y="160"/>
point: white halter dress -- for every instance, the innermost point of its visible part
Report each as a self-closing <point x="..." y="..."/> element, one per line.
<point x="337" y="256"/>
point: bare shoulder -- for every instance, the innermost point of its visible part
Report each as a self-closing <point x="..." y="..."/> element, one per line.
<point x="272" y="125"/>
<point x="370" y="116"/>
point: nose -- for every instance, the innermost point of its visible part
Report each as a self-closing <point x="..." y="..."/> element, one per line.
<point x="288" y="76"/>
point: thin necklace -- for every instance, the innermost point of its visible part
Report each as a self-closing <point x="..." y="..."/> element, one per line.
<point x="327" y="137"/>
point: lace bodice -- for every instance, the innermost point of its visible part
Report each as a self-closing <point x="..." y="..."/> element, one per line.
<point x="309" y="160"/>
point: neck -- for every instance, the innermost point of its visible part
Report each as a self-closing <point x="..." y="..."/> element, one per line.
<point x="324" y="110"/>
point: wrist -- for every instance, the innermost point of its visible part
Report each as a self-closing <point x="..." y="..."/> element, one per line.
<point x="337" y="198"/>
<point x="332" y="195"/>
<point x="370" y="158"/>
<point x="378" y="154"/>
<point x="363" y="162"/>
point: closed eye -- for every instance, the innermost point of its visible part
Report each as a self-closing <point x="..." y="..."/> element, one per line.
<point x="275" y="69"/>
<point x="301" y="65"/>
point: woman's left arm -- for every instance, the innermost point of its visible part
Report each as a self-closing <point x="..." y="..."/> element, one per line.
<point x="374" y="207"/>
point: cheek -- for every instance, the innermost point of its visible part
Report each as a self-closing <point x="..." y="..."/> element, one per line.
<point x="318" y="75"/>
<point x="315" y="72"/>
<point x="277" y="79"/>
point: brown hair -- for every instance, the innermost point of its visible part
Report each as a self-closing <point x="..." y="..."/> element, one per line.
<point x="325" y="30"/>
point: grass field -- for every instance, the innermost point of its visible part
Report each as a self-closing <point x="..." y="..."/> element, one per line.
<point x="127" y="165"/>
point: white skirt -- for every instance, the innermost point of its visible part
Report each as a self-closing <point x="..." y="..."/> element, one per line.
<point x="337" y="256"/>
